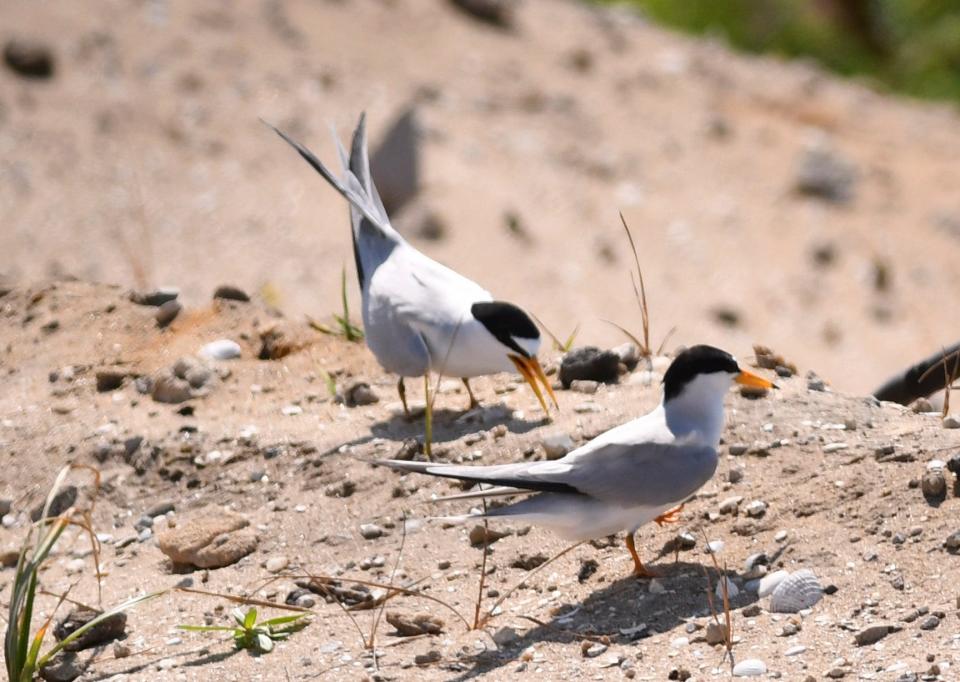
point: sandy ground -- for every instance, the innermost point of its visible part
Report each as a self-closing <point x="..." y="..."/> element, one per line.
<point x="142" y="163"/>
<point x="286" y="459"/>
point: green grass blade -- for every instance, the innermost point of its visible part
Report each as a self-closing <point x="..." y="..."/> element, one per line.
<point x="282" y="620"/>
<point x="250" y="619"/>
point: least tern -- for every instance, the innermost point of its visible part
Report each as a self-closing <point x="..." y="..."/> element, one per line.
<point x="418" y="315"/>
<point x="638" y="472"/>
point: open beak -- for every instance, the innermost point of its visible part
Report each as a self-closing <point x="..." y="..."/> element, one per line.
<point x="531" y="370"/>
<point x="748" y="379"/>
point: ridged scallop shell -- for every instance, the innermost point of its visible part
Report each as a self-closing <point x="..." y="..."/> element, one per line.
<point x="751" y="667"/>
<point x="796" y="592"/>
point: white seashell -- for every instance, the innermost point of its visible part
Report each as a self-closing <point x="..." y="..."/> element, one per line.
<point x="732" y="589"/>
<point x="751" y="667"/>
<point x="769" y="582"/>
<point x="221" y="349"/>
<point x="796" y="592"/>
<point x="715" y="546"/>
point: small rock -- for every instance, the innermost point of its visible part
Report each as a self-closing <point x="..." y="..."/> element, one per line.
<point x="590" y="649"/>
<point x="591" y="364"/>
<point x="217" y="538"/>
<point x="836" y="673"/>
<point x="756" y="509"/>
<point x="154" y="298"/>
<point x="629" y="355"/>
<point x="64" y="667"/>
<point x="221" y="349"/>
<point x="737" y="449"/>
<point x="432" y="656"/>
<point x="751" y="611"/>
<point x="62" y="501"/>
<point x="29" y="58"/>
<point x="231" y="293"/>
<point x="815" y="383"/>
<point x="556" y="445"/>
<point x="169" y="389"/>
<point x="731" y="505"/>
<point x="276" y="564"/>
<point x="587" y="568"/>
<point x="107" y="630"/>
<point x="167" y="313"/>
<point x="528" y="562"/>
<point x="109" y="380"/>
<point x="872" y="633"/>
<point x="952" y="543"/>
<point x="418" y="624"/>
<point x="715" y="633"/>
<point x="481" y="535"/>
<point x="121" y="650"/>
<point x="360" y="393"/>
<point x="505" y="637"/>
<point x="823" y="173"/>
<point x="584" y="386"/>
<point x="930" y="623"/>
<point x="500" y="13"/>
<point x="735" y="475"/>
<point x="370" y="531"/>
<point x="934" y="485"/>
<point x="951" y="422"/>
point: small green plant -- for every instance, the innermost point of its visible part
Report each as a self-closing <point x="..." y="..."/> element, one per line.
<point x="21" y="650"/>
<point x="558" y="345"/>
<point x="254" y="636"/>
<point x="344" y="327"/>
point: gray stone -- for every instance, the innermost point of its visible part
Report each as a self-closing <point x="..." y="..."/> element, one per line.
<point x="217" y="538"/>
<point x="360" y="393"/>
<point x="231" y="293"/>
<point x="589" y="363"/>
<point x="872" y="634"/>
<point x="370" y="531"/>
<point x="556" y="445"/>
<point x="65" y="667"/>
<point x="824" y="174"/>
<point x="169" y="389"/>
<point x="107" y="630"/>
<point x="167" y="313"/>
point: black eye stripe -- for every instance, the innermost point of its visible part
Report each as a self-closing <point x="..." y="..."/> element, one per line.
<point x="506" y="322"/>
<point x="693" y="362"/>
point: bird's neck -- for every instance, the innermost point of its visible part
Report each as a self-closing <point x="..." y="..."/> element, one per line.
<point x="698" y="417"/>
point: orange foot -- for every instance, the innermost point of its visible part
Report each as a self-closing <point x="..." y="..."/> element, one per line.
<point x="672" y="516"/>
<point x="639" y="570"/>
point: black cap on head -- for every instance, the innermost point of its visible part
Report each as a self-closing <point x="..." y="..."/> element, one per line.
<point x="692" y="362"/>
<point x="506" y="322"/>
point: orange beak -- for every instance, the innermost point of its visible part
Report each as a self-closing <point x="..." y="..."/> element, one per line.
<point x="748" y="379"/>
<point x="531" y="370"/>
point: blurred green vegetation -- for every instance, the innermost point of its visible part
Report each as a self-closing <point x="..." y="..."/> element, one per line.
<point x="910" y="46"/>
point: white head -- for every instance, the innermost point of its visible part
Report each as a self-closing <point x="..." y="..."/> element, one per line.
<point x="693" y="390"/>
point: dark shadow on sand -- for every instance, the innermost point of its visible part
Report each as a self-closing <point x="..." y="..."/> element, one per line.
<point x="617" y="610"/>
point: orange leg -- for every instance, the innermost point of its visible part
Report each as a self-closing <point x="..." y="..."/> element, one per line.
<point x="474" y="403"/>
<point x="672" y="516"/>
<point x="639" y="570"/>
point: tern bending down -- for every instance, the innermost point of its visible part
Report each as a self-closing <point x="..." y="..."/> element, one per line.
<point x="418" y="315"/>
<point x="638" y="472"/>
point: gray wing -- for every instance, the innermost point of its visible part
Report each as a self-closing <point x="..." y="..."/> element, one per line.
<point x="650" y="473"/>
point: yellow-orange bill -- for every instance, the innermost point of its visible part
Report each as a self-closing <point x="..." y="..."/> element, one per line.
<point x="538" y="371"/>
<point x="748" y="379"/>
<point x="523" y="366"/>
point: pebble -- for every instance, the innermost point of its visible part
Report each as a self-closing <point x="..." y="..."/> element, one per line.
<point x="291" y="410"/>
<point x="737" y="449"/>
<point x="155" y="298"/>
<point x="276" y="564"/>
<point x="556" y="445"/>
<point x="29" y="58"/>
<point x="167" y="313"/>
<point x="584" y="386"/>
<point x="930" y="623"/>
<point x="824" y="174"/>
<point x="589" y="363"/>
<point x="795" y="650"/>
<point x="735" y="475"/>
<point x="590" y="649"/>
<point x="715" y="546"/>
<point x="111" y="628"/>
<point x="756" y="509"/>
<point x="221" y="349"/>
<point x="360" y="394"/>
<point x="628" y="353"/>
<point x="370" y="531"/>
<point x="415" y="625"/>
<point x="218" y="537"/>
<point x="169" y="389"/>
<point x="731" y="504"/>
<point x="872" y="633"/>
<point x="65" y="667"/>
<point x="934" y="485"/>
<point x="716" y="633"/>
<point x="952" y="543"/>
<point x="951" y="422"/>
<point x="231" y="293"/>
<point x="780" y="536"/>
<point x="481" y="535"/>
